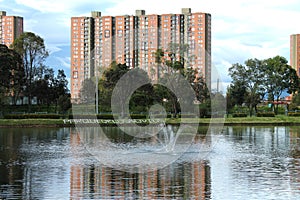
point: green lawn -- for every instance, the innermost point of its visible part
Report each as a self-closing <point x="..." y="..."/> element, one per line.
<point x="278" y="120"/>
<point x="31" y="122"/>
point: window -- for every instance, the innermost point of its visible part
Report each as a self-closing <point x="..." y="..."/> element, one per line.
<point x="75" y="74"/>
<point x="106" y="33"/>
<point x="120" y="33"/>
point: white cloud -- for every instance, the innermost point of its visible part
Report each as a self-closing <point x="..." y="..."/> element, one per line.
<point x="254" y="28"/>
<point x="60" y="6"/>
<point x="53" y="48"/>
<point x="52" y="6"/>
<point x="65" y="62"/>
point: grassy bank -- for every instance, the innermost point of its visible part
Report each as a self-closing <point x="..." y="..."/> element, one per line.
<point x="31" y="122"/>
<point x="278" y="120"/>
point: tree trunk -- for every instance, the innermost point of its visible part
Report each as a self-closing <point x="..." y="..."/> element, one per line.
<point x="250" y="109"/>
<point x="29" y="103"/>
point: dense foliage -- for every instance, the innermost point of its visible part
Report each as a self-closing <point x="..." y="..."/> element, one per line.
<point x="167" y="73"/>
<point x="24" y="75"/>
<point x="261" y="80"/>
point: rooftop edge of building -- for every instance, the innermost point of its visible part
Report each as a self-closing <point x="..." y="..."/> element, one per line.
<point x="184" y="11"/>
<point x="2" y="13"/>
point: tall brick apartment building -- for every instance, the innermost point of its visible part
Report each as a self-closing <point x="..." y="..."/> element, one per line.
<point x="11" y="27"/>
<point x="98" y="40"/>
<point x="295" y="52"/>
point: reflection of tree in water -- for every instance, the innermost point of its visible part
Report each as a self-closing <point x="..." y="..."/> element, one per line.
<point x="9" y="171"/>
<point x="21" y="149"/>
<point x="295" y="142"/>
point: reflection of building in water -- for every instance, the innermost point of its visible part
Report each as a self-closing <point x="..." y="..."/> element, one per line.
<point x="295" y="153"/>
<point x="189" y="180"/>
<point x="76" y="172"/>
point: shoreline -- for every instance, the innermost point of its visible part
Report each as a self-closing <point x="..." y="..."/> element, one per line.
<point x="246" y="121"/>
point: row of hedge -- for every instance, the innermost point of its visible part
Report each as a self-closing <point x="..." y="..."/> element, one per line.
<point x="86" y="116"/>
<point x="259" y="114"/>
<point x="34" y="116"/>
<point x="294" y="114"/>
<point x="133" y="116"/>
<point x="239" y="115"/>
<point x="265" y="114"/>
<point x="57" y="116"/>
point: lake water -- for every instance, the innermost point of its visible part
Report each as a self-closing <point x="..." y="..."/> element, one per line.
<point x="237" y="163"/>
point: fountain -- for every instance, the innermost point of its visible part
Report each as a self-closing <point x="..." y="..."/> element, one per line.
<point x="164" y="145"/>
<point x="169" y="139"/>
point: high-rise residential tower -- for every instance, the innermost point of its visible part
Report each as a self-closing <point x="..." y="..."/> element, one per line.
<point x="98" y="40"/>
<point x="295" y="52"/>
<point x="11" y="27"/>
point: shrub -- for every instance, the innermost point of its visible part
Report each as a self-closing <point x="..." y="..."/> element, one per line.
<point x="187" y="115"/>
<point x="239" y="115"/>
<point x="105" y="116"/>
<point x="265" y="114"/>
<point x="162" y="116"/>
<point x="294" y="114"/>
<point x="138" y="116"/>
<point x="239" y="109"/>
<point x="87" y="116"/>
<point x="204" y="110"/>
<point x="33" y="116"/>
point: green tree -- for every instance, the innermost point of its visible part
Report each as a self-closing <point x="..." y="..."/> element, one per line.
<point x="162" y="95"/>
<point x="198" y="83"/>
<point x="42" y="86"/>
<point x="87" y="91"/>
<point x="174" y="66"/>
<point x="11" y="73"/>
<point x="142" y="97"/>
<point x="174" y="70"/>
<point x="61" y="83"/>
<point x="158" y="55"/>
<point x="279" y="77"/>
<point x="33" y="52"/>
<point x="42" y="91"/>
<point x="250" y="76"/>
<point x="60" y="89"/>
<point x="176" y="57"/>
<point x="236" y="94"/>
<point x="172" y="81"/>
<point x="64" y="103"/>
<point x="108" y="82"/>
<point x="295" y="104"/>
<point x="3" y="99"/>
<point x="48" y="88"/>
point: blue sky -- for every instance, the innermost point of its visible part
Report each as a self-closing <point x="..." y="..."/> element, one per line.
<point x="241" y="29"/>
